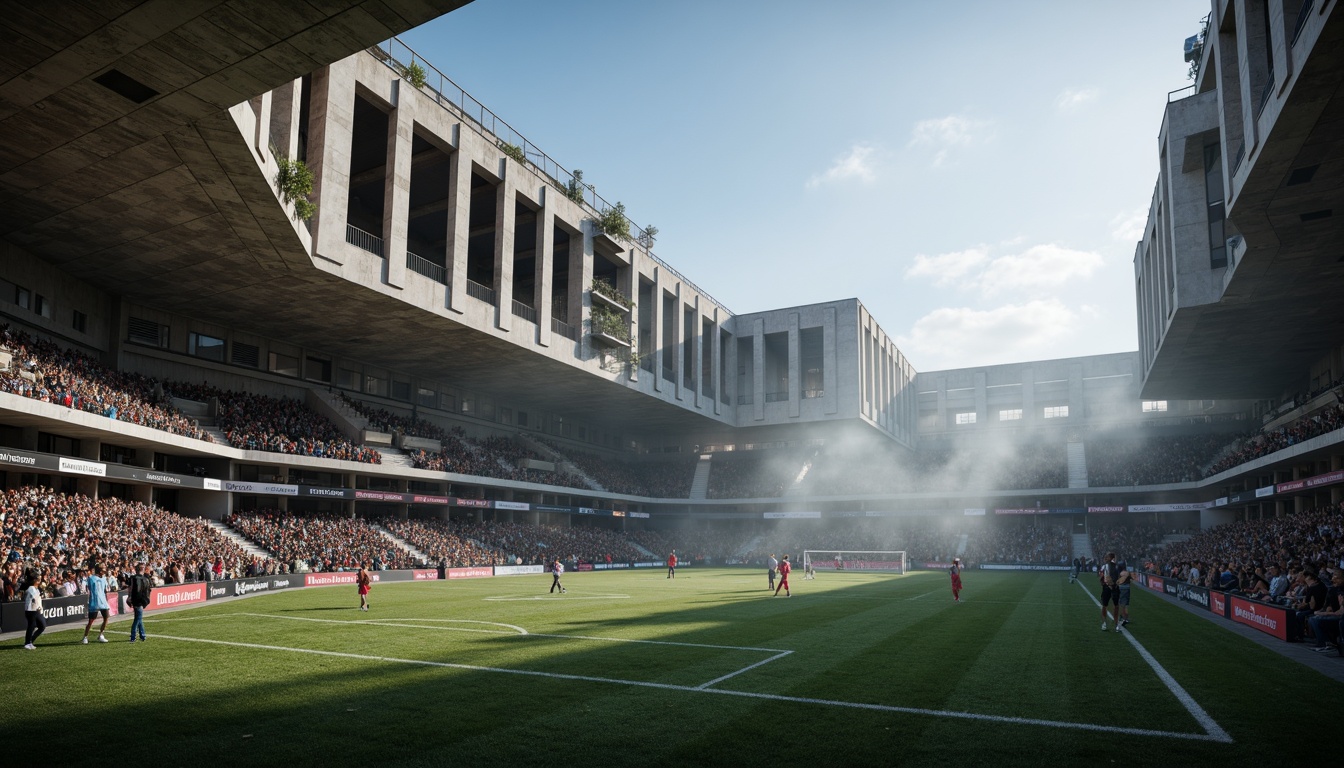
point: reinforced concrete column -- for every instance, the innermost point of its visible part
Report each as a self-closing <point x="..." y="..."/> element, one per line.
<point x="696" y="342"/>
<point x="505" y="213"/>
<point x="679" y="342"/>
<point x="397" y="185"/>
<point x="330" y="133"/>
<point x="659" y="352"/>
<point x="795" y="366"/>
<point x="716" y="362"/>
<point x="542" y="277"/>
<point x="262" y="139"/>
<point x="583" y="270"/>
<point x="830" y="359"/>
<point x="459" y="228"/>
<point x="758" y="369"/>
<point x="285" y="103"/>
<point x="90" y="449"/>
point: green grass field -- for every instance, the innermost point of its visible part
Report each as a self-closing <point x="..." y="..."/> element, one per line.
<point x="630" y="668"/>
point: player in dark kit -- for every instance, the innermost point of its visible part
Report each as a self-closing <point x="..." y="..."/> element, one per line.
<point x="784" y="569"/>
<point x="955" y="570"/>
<point x="1109" y="573"/>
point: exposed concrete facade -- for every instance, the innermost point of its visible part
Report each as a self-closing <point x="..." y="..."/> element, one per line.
<point x="1238" y="271"/>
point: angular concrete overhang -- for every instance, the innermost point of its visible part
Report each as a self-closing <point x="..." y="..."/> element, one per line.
<point x="1280" y="308"/>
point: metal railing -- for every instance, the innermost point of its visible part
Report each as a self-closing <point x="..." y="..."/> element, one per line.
<point x="482" y="292"/>
<point x="397" y="56"/>
<point x="1181" y="93"/>
<point x="363" y="240"/>
<point x="421" y="265"/>
<point x="564" y="329"/>
<point x="522" y="310"/>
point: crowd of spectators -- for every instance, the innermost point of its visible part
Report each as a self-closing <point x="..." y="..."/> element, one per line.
<point x="63" y="536"/>
<point x="497" y="457"/>
<point x="443" y="543"/>
<point x="382" y="420"/>
<point x="1129" y="543"/>
<point x="319" y="542"/>
<point x="276" y="424"/>
<point x="44" y="371"/>
<point x="923" y="541"/>
<point x="1150" y="460"/>
<point x="537" y="544"/>
<point x="764" y="473"/>
<point x="1265" y="443"/>
<point x="668" y="478"/>
<point x="1043" y="544"/>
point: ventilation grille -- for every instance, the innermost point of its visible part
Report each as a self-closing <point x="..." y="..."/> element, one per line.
<point x="147" y="332"/>
<point x="246" y="354"/>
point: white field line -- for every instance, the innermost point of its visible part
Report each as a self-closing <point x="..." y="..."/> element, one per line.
<point x="748" y="668"/>
<point x="720" y="691"/>
<point x="1215" y="732"/>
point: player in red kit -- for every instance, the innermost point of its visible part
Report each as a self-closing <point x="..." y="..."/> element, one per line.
<point x="955" y="570"/>
<point x="784" y="569"/>
<point x="672" y="565"/>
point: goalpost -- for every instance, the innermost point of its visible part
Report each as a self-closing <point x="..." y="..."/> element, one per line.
<point x="854" y="560"/>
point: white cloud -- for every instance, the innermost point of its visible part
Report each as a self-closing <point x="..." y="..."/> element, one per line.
<point x="860" y="164"/>
<point x="945" y="268"/>
<point x="1038" y="269"/>
<point x="1128" y="227"/>
<point x="1071" y="99"/>
<point x="962" y="336"/>
<point x="942" y="135"/>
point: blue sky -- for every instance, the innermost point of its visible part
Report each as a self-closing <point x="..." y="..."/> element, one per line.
<point x="975" y="173"/>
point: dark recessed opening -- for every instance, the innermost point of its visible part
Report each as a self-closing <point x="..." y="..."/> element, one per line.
<point x="1317" y="215"/>
<point x="1302" y="175"/>
<point x="123" y="84"/>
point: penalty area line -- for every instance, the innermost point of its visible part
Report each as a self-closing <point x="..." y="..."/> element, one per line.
<point x="719" y="691"/>
<point x="1211" y="727"/>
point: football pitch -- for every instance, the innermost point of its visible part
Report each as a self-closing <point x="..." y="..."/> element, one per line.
<point x="631" y="668"/>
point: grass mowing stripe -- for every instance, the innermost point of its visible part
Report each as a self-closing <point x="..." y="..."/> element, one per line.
<point x="1211" y="727"/>
<point x="719" y="691"/>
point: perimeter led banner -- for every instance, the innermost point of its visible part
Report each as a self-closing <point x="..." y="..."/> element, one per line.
<point x="177" y="594"/>
<point x="470" y="573"/>
<point x="1270" y="619"/>
<point x="1191" y="507"/>
<point x="56" y="610"/>
<point x="1157" y="584"/>
<point x="1329" y="478"/>
<point x="518" y="570"/>
<point x="1106" y="510"/>
<point x="1218" y="603"/>
<point x="1192" y="594"/>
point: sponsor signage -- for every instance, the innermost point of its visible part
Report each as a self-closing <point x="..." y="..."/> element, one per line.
<point x="635" y="565"/>
<point x="1191" y="507"/>
<point x="644" y="515"/>
<point x="1065" y="511"/>
<point x="520" y="506"/>
<point x="1241" y="498"/>
<point x="1171" y="587"/>
<point x="1270" y="619"/>
<point x="381" y="496"/>
<point x="791" y="515"/>
<point x="1022" y="567"/>
<point x="327" y="493"/>
<point x="177" y="594"/>
<point x="551" y="508"/>
<point x="584" y="567"/>
<point x="1218" y="603"/>
<point x="266" y="489"/>
<point x="425" y="574"/>
<point x="973" y="512"/>
<point x="1329" y="478"/>
<point x="1106" y="510"/>
<point x="1261" y="493"/>
<point x="518" y="570"/>
<point x="81" y="467"/>
<point x="1221" y="501"/>
<point x="618" y="513"/>
<point x="1157" y="584"/>
<point x="940" y="566"/>
<point x="56" y="610"/>
<point x="1027" y="511"/>
<point x="212" y="484"/>
<point x="1193" y="594"/>
<point x="441" y="500"/>
<point x="331" y="579"/>
<point x="470" y="573"/>
<point x="480" y="503"/>
<point x="25" y="459"/>
<point x="585" y="511"/>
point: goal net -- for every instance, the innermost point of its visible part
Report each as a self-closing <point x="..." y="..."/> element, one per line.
<point x="849" y="560"/>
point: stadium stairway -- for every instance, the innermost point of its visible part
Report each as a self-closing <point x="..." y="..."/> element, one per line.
<point x="1077" y="453"/>
<point x="1082" y="546"/>
<point x="394" y="458"/>
<point x="238" y="538"/>
<point x="700" y="482"/>
<point x="401" y="543"/>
